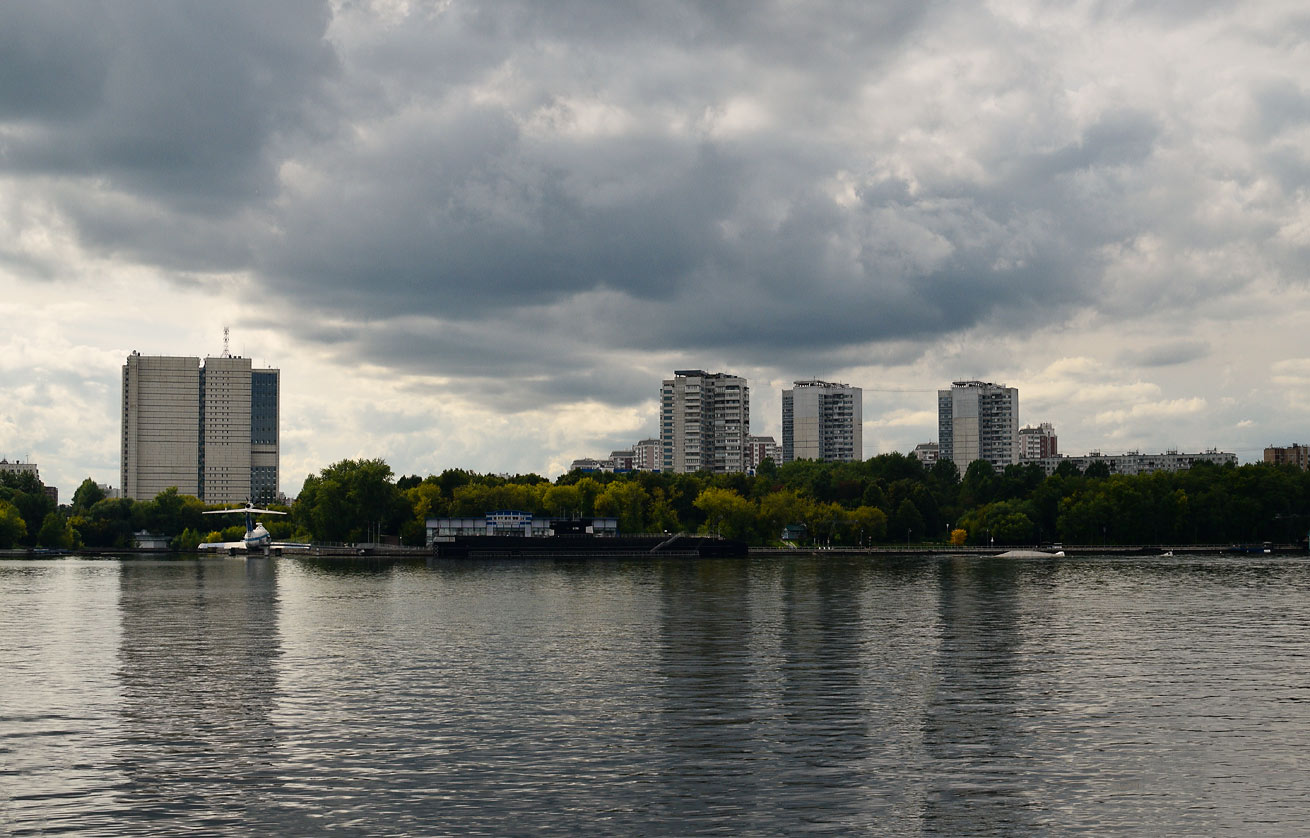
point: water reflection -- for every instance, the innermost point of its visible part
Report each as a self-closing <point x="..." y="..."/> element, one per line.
<point x="972" y="727"/>
<point x="58" y="637"/>
<point x="815" y="695"/>
<point x="197" y="667"/>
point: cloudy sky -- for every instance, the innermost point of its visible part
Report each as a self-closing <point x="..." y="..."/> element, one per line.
<point x="479" y="234"/>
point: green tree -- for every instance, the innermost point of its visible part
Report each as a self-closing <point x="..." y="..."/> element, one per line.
<point x="109" y="523"/>
<point x="980" y="485"/>
<point x="13" y="529"/>
<point x="870" y="522"/>
<point x="726" y="512"/>
<point x="777" y="510"/>
<point x="171" y="512"/>
<point x="563" y="501"/>
<point x="55" y="533"/>
<point x="351" y="500"/>
<point x="906" y="523"/>
<point x="88" y="494"/>
<point x="25" y="492"/>
<point x="627" y="501"/>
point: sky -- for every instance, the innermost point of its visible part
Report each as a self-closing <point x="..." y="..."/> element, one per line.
<point x="478" y="235"/>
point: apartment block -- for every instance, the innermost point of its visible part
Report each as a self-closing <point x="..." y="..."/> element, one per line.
<point x="1135" y="462"/>
<point x="978" y="420"/>
<point x="761" y="448"/>
<point x="822" y="420"/>
<point x="1297" y="455"/>
<point x="1036" y="442"/>
<point x="927" y="453"/>
<point x="704" y="422"/>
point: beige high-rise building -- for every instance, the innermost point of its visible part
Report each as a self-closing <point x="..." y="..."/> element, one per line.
<point x="209" y="429"/>
<point x="978" y="420"/>
<point x="704" y="422"/>
<point x="822" y="421"/>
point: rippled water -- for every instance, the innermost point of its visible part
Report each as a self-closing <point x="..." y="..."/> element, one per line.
<point x="827" y="696"/>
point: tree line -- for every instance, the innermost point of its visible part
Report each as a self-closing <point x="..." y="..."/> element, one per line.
<point x="887" y="499"/>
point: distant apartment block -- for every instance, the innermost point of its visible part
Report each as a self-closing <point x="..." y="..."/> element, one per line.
<point x="616" y="461"/>
<point x="16" y="467"/>
<point x="210" y="429"/>
<point x="822" y="420"/>
<point x="644" y="456"/>
<point x="978" y="420"/>
<point x="648" y="455"/>
<point x="1296" y="455"/>
<point x="704" y="422"/>
<point x="1038" y="442"/>
<point x="1137" y="463"/>
<point x="759" y="449"/>
<point x="927" y="453"/>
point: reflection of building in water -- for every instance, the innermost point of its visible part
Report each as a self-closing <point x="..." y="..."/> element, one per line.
<point x="975" y="742"/>
<point x="199" y="644"/>
<point x="708" y="700"/>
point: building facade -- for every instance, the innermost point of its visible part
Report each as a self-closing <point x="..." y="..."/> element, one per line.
<point x="1296" y="455"/>
<point x="210" y="429"/>
<point x="822" y="420"/>
<point x="1038" y="442"/>
<point x="16" y="467"/>
<point x="978" y="420"/>
<point x="927" y="453"/>
<point x="704" y="422"/>
<point x="1137" y="463"/>
<point x="761" y="448"/>
<point x="648" y="455"/>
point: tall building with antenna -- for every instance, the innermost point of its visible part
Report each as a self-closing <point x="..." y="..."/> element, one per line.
<point x="208" y="427"/>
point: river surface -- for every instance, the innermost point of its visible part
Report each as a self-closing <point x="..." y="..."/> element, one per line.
<point x="946" y="696"/>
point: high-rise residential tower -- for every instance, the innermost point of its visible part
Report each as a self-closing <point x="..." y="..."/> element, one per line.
<point x="209" y="429"/>
<point x="978" y="420"/>
<point x="822" y="421"/>
<point x="704" y="422"/>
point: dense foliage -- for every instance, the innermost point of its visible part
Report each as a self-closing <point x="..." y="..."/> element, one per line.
<point x="890" y="498"/>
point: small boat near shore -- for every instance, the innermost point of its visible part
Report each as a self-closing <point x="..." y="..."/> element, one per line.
<point x="1031" y="554"/>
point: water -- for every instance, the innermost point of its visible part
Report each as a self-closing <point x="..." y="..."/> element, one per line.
<point x="780" y="697"/>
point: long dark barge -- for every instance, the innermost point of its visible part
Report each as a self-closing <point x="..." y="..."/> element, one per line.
<point x="565" y="546"/>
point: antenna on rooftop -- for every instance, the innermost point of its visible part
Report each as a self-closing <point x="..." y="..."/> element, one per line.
<point x="226" y="353"/>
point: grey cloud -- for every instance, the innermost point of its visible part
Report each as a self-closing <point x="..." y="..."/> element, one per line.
<point x="171" y="102"/>
<point x="1167" y="354"/>
<point x="549" y="186"/>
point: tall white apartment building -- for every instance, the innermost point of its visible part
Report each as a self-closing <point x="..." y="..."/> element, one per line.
<point x="822" y="421"/>
<point x="704" y="422"/>
<point x="978" y="420"/>
<point x="209" y="429"/>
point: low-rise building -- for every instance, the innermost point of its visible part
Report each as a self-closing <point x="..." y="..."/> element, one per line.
<point x="1294" y="455"/>
<point x="927" y="453"/>
<point x="510" y="522"/>
<point x="17" y="467"/>
<point x="1135" y="462"/>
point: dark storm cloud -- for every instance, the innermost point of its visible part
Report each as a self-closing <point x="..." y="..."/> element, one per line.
<point x="534" y="196"/>
<point x="171" y="102"/>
